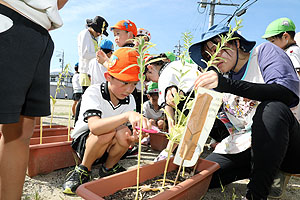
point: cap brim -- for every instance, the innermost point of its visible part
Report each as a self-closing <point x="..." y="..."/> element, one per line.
<point x="105" y="33"/>
<point x="196" y="56"/>
<point x="125" y="77"/>
<point x="268" y="35"/>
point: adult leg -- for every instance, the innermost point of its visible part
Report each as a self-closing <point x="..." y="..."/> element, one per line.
<point x="233" y="167"/>
<point x="77" y="111"/>
<point x="14" y="153"/>
<point x="74" y="107"/>
<point x="275" y="141"/>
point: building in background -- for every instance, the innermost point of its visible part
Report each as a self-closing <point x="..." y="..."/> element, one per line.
<point x="66" y="89"/>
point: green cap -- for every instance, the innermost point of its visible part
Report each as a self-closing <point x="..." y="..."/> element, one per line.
<point x="152" y="88"/>
<point x="170" y="56"/>
<point x="278" y="26"/>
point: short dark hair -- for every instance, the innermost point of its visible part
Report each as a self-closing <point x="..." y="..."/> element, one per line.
<point x="106" y="51"/>
<point x="291" y="33"/>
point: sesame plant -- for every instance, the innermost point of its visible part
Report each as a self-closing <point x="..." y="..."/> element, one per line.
<point x="142" y="48"/>
<point x="214" y="59"/>
<point x="59" y="86"/>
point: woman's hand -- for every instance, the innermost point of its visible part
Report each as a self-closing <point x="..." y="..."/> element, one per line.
<point x="208" y="80"/>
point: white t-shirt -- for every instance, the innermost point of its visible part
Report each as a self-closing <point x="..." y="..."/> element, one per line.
<point x="42" y="12"/>
<point x="86" y="50"/>
<point x="96" y="70"/>
<point x="294" y="53"/>
<point x="75" y="83"/>
<point x="96" y="102"/>
<point x="170" y="76"/>
<point x="149" y="111"/>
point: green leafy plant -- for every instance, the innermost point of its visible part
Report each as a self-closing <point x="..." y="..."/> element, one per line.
<point x="214" y="59"/>
<point x="142" y="48"/>
<point x="59" y="86"/>
<point x="180" y="119"/>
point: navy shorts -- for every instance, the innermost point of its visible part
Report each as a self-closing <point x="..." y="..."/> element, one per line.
<point x="76" y="96"/>
<point x="26" y="49"/>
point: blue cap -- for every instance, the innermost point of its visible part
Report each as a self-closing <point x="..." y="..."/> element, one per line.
<point x="106" y="44"/>
<point x="195" y="49"/>
<point x="76" y="65"/>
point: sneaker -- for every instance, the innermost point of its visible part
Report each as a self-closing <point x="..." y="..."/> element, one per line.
<point x="132" y="151"/>
<point x="145" y="141"/>
<point x="162" y="156"/>
<point x="75" y="178"/>
<point x="107" y="172"/>
<point x="279" y="185"/>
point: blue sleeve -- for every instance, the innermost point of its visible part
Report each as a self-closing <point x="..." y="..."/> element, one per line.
<point x="276" y="67"/>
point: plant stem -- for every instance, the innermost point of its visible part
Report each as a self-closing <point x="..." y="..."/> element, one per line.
<point x="167" y="162"/>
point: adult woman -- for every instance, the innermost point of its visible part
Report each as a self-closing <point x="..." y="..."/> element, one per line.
<point x="88" y="46"/>
<point x="260" y="87"/>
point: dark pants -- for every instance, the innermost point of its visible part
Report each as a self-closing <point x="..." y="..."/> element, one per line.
<point x="275" y="145"/>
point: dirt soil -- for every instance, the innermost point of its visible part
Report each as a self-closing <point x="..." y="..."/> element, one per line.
<point x="48" y="186"/>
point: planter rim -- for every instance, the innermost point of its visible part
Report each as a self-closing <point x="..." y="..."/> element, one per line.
<point x="167" y="194"/>
<point x="47" y="145"/>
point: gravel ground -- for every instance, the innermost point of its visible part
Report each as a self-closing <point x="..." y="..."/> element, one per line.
<point x="45" y="187"/>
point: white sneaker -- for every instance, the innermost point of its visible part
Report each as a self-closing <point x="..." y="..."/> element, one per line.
<point x="162" y="156"/>
<point x="146" y="140"/>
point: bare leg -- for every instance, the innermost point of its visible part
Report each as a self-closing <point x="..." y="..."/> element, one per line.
<point x="14" y="153"/>
<point x="95" y="148"/>
<point x="74" y="107"/>
<point x="119" y="146"/>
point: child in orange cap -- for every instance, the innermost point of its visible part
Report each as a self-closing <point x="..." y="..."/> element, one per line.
<point x="123" y="31"/>
<point x="100" y="133"/>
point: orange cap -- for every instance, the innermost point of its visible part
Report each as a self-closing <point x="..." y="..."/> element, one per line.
<point x="125" y="25"/>
<point x="121" y="59"/>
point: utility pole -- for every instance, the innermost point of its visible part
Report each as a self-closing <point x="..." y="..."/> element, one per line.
<point x="178" y="48"/>
<point x="61" y="59"/>
<point x="212" y="13"/>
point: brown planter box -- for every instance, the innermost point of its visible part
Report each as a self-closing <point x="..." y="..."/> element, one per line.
<point x="54" y="131"/>
<point x="55" y="152"/>
<point x="48" y="126"/>
<point x="190" y="189"/>
<point x="158" y="141"/>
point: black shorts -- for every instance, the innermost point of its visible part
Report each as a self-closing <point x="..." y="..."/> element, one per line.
<point x="78" y="145"/>
<point x="76" y="96"/>
<point x="25" y="53"/>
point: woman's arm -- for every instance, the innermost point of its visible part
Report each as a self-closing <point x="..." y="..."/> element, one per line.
<point x="257" y="91"/>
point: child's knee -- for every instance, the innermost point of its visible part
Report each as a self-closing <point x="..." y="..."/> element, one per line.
<point x="123" y="135"/>
<point x="105" y="138"/>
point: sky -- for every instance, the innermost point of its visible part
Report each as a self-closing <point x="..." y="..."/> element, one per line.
<point x="166" y="20"/>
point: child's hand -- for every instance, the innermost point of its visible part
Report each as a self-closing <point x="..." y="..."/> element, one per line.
<point x="135" y="120"/>
<point x="101" y="57"/>
<point x="171" y="92"/>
